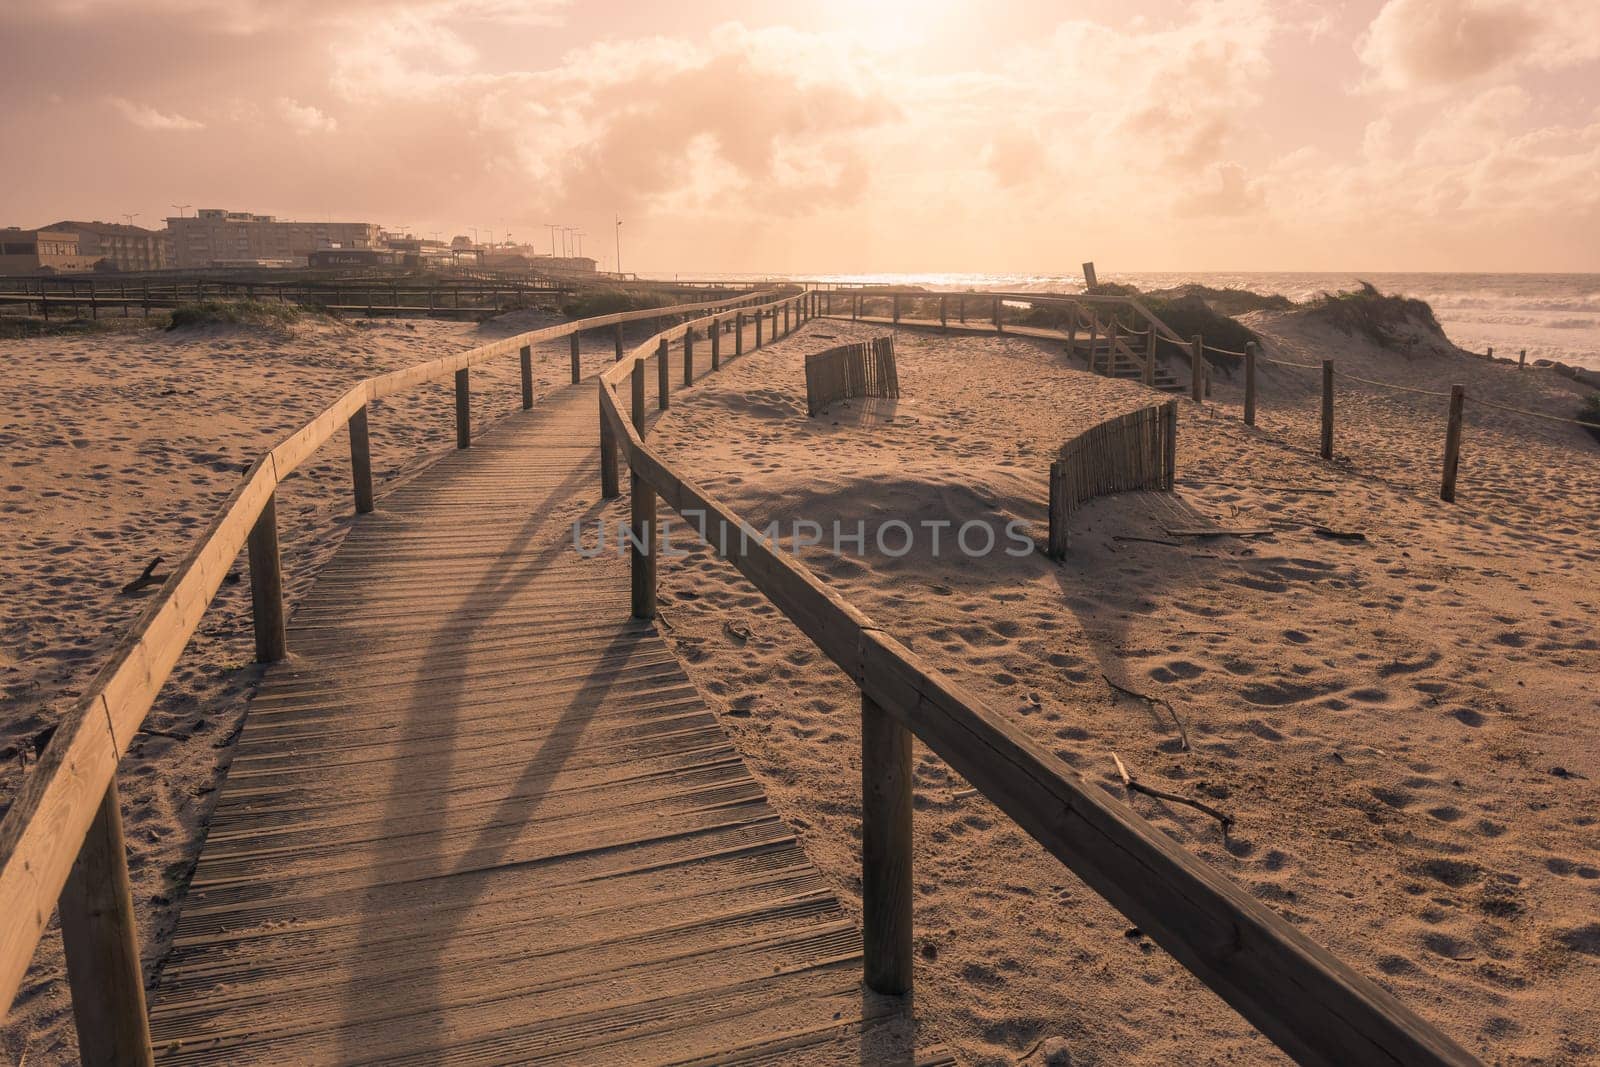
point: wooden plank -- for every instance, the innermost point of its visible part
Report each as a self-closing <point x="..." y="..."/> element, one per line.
<point x="98" y="932"/>
<point x="885" y="850"/>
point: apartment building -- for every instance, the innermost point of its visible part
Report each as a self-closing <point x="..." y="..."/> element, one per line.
<point x="127" y="248"/>
<point x="43" y="251"/>
<point x="217" y="238"/>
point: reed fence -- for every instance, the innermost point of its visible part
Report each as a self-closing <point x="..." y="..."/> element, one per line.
<point x="1135" y="450"/>
<point x="848" y="371"/>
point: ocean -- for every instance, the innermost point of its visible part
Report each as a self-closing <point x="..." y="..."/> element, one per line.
<point x="1553" y="316"/>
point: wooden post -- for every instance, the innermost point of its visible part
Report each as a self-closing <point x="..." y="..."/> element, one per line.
<point x="1489" y="355"/>
<point x="463" y="409"/>
<point x="609" y="489"/>
<point x="716" y="344"/>
<point x="894" y="314"/>
<point x="944" y="313"/>
<point x="663" y="385"/>
<point x="1327" y="409"/>
<point x="573" y="341"/>
<point x="738" y="333"/>
<point x="266" y="585"/>
<point x="1522" y="359"/>
<point x="1452" y="443"/>
<point x="999" y="327"/>
<point x="1056" y="542"/>
<point x="688" y="357"/>
<point x="759" y="317"/>
<point x="616" y="338"/>
<point x="885" y="850"/>
<point x="855" y="307"/>
<point x="1250" y="383"/>
<point x="788" y="326"/>
<point x="642" y="554"/>
<point x="1197" y="369"/>
<point x="100" y="936"/>
<point x="1170" y="472"/>
<point x="638" y="396"/>
<point x="361" y="460"/>
<point x="527" y="377"/>
<point x="1089" y="280"/>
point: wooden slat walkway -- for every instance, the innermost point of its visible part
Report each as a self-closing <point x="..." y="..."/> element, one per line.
<point x="482" y="816"/>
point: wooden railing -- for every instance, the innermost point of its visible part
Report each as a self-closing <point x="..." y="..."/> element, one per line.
<point x="61" y="841"/>
<point x="1294" y="991"/>
<point x="1134" y="450"/>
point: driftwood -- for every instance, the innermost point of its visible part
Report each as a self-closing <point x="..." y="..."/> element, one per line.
<point x="1218" y="531"/>
<point x="1339" y="535"/>
<point x="1183" y="733"/>
<point x="1144" y="540"/>
<point x="147" y="577"/>
<point x="1133" y="785"/>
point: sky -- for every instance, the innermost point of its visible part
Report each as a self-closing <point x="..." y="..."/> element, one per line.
<point x="836" y="135"/>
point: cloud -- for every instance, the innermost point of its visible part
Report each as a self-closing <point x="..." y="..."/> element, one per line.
<point x="1419" y="44"/>
<point x="1225" y="191"/>
<point x="303" y="118"/>
<point x="148" y="118"/>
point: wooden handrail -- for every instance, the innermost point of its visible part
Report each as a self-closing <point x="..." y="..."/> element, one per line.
<point x="1294" y="991"/>
<point x="46" y="825"/>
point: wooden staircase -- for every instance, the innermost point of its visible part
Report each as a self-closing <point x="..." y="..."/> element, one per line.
<point x="1122" y="363"/>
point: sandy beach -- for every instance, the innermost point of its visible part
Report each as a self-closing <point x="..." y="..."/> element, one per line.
<point x="1402" y="726"/>
<point x="119" y="446"/>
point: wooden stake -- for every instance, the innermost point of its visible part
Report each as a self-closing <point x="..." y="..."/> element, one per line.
<point x="526" y="356"/>
<point x="266" y="585"/>
<point x="463" y="408"/>
<point x="1452" y="443"/>
<point x="999" y="327"/>
<point x="738" y="333"/>
<point x="663" y="382"/>
<point x="616" y="338"/>
<point x="1197" y="369"/>
<point x="1522" y="359"/>
<point x="609" y="489"/>
<point x="573" y="340"/>
<point x="642" y="554"/>
<point x="688" y="357"/>
<point x="1327" y="409"/>
<point x="361" y="461"/>
<point x="100" y="936"/>
<point x="1250" y="383"/>
<point x="886" y="858"/>
<point x="638" y="397"/>
<point x="716" y="344"/>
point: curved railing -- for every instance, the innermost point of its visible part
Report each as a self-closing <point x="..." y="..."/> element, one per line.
<point x="61" y="840"/>
<point x="1294" y="991"/>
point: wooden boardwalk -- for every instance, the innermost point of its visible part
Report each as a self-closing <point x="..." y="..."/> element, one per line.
<point x="482" y="816"/>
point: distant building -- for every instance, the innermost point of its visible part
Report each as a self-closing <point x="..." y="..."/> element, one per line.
<point x="214" y="237"/>
<point x="45" y="251"/>
<point x="122" y="247"/>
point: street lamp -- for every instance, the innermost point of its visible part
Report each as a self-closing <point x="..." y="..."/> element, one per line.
<point x="181" y="208"/>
